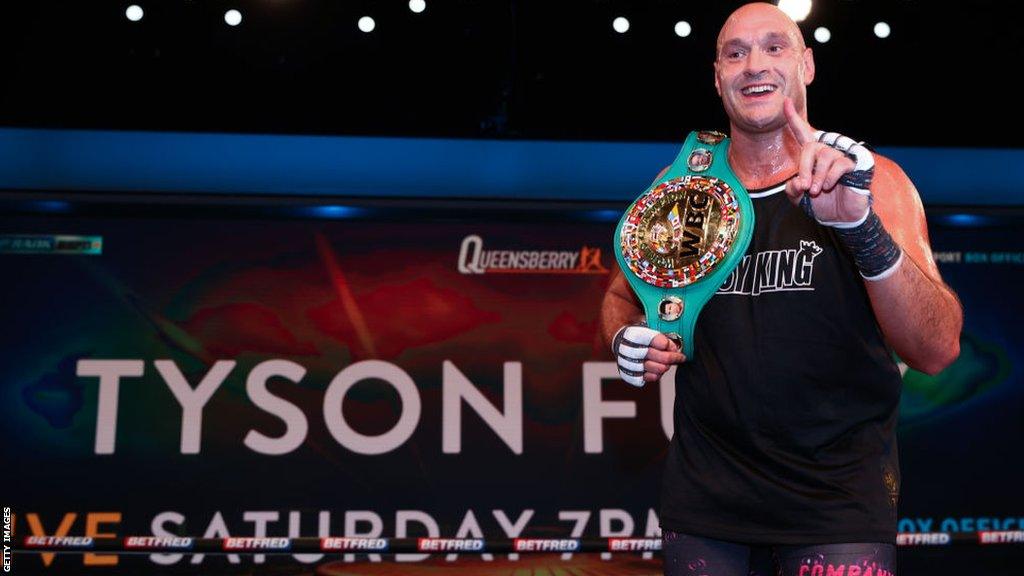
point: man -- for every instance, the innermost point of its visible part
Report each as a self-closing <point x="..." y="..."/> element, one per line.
<point x="784" y="447"/>
<point x="670" y="309"/>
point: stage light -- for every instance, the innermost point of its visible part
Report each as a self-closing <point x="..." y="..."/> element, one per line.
<point x="134" y="13"/>
<point x="233" y="17"/>
<point x="966" y="220"/>
<point x="601" y="215"/>
<point x="796" y="9"/>
<point x="822" y="34"/>
<point x="417" y="6"/>
<point x="366" y="24"/>
<point x="332" y="211"/>
<point x="52" y="206"/>
<point x="621" y="25"/>
<point x="882" y="30"/>
<point x="683" y="29"/>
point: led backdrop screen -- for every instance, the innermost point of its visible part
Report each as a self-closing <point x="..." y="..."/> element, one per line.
<point x="391" y="369"/>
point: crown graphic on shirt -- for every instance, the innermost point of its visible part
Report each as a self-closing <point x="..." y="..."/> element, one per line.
<point x="810" y="245"/>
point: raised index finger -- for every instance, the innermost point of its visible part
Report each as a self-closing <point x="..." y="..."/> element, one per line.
<point x="800" y="128"/>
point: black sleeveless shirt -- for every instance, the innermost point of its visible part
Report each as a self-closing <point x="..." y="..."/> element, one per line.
<point x="785" y="417"/>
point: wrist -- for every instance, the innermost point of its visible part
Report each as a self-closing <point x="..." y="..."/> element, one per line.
<point x="852" y="224"/>
<point x="620" y="335"/>
<point x="874" y="251"/>
<point x="617" y="339"/>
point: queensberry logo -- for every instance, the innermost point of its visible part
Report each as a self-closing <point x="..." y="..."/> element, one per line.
<point x="473" y="259"/>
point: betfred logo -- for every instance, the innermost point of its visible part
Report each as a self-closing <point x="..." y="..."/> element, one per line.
<point x="257" y="544"/>
<point x="158" y="543"/>
<point x="1001" y="537"/>
<point x="58" y="542"/>
<point x="334" y="544"/>
<point x="545" y="545"/>
<point x="450" y="545"/>
<point x="473" y="259"/>
<point x="634" y="544"/>
<point x="923" y="539"/>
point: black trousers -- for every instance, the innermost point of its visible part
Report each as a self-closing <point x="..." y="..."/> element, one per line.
<point x="687" y="555"/>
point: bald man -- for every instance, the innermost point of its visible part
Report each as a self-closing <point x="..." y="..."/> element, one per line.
<point x="784" y="455"/>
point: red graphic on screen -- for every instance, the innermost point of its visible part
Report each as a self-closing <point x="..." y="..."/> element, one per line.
<point x="568" y="328"/>
<point x="231" y="329"/>
<point x="403" y="316"/>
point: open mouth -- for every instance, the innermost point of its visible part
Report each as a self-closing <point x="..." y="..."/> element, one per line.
<point x="757" y="90"/>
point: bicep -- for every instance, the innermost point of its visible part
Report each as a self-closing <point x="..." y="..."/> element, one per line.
<point x="619" y="289"/>
<point x="619" y="299"/>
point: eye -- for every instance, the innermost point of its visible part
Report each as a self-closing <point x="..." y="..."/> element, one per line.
<point x="734" y="54"/>
<point x="775" y="48"/>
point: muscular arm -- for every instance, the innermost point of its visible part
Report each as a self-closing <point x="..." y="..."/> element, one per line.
<point x="920" y="316"/>
<point x="620" y="305"/>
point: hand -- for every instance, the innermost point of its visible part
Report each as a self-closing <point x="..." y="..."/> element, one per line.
<point x="831" y="186"/>
<point x="644" y="355"/>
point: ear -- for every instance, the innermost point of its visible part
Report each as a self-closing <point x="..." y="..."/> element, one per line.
<point x="808" y="58"/>
<point x="718" y="85"/>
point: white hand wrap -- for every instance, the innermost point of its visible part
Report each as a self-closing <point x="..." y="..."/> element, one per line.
<point x="630" y="347"/>
<point x="858" y="181"/>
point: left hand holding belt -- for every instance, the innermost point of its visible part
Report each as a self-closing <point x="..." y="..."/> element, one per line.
<point x="643" y="355"/>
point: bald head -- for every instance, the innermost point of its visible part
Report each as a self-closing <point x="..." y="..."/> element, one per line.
<point x="761" y="60"/>
<point x="761" y="16"/>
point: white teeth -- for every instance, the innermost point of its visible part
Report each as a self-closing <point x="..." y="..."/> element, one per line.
<point x="759" y="89"/>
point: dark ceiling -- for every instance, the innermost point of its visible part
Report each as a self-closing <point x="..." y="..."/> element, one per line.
<point x="528" y="69"/>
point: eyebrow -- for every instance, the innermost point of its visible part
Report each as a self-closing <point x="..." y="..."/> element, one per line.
<point x="777" y="36"/>
<point x="770" y="37"/>
<point x="734" y="43"/>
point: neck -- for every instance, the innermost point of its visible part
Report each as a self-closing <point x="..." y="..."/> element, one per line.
<point x="760" y="160"/>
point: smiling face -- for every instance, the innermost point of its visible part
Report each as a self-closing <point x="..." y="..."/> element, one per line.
<point x="761" y="60"/>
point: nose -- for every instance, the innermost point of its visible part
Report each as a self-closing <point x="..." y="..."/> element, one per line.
<point x="756" y="63"/>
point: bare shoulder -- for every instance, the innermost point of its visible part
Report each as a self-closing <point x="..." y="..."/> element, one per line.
<point x="898" y="204"/>
<point x="891" y="180"/>
<point x="896" y="197"/>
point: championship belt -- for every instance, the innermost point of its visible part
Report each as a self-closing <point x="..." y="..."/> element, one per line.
<point x="679" y="241"/>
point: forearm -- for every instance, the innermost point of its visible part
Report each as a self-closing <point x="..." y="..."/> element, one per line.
<point x="920" y="317"/>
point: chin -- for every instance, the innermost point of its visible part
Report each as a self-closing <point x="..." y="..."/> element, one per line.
<point x="756" y="125"/>
<point x="761" y="123"/>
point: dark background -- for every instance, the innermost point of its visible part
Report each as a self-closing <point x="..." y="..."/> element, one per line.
<point x="528" y="69"/>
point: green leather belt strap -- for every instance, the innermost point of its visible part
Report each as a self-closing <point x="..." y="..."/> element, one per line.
<point x="679" y="240"/>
